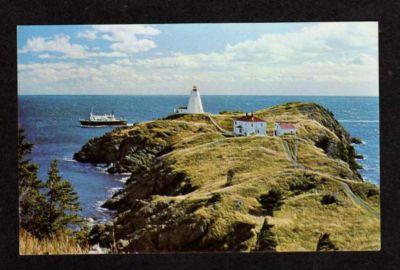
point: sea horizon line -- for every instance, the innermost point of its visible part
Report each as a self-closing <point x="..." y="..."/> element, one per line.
<point x="201" y="95"/>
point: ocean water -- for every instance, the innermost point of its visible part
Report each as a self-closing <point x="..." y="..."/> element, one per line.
<point x="52" y="124"/>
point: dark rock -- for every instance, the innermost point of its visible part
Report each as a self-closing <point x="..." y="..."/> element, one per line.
<point x="359" y="156"/>
<point x="372" y="192"/>
<point x="355" y="140"/>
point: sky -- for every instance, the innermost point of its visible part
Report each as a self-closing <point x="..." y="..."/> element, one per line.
<point x="338" y="58"/>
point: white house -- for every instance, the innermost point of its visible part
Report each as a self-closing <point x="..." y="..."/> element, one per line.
<point x="180" y="109"/>
<point x="194" y="105"/>
<point x="282" y="128"/>
<point x="249" y="125"/>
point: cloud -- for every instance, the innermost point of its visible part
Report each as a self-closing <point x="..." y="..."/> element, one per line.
<point x="125" y="32"/>
<point x="336" y="42"/>
<point x="59" y="65"/>
<point x="123" y="42"/>
<point x="364" y="59"/>
<point x="123" y="38"/>
<point x="322" y="54"/>
<point x="61" y="48"/>
<point x="123" y="62"/>
<point x="46" y="56"/>
<point x="310" y="42"/>
<point x="59" y="44"/>
<point x="187" y="61"/>
<point x="89" y="35"/>
<point x="324" y="58"/>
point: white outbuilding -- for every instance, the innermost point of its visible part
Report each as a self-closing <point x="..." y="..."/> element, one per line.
<point x="194" y="105"/>
<point x="249" y="125"/>
<point x="282" y="128"/>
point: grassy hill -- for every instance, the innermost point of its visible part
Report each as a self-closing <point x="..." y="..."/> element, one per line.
<point x="194" y="189"/>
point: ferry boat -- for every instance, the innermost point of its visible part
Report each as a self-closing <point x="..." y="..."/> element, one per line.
<point x="102" y="120"/>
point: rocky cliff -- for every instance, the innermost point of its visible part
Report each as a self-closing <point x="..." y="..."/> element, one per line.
<point x="193" y="189"/>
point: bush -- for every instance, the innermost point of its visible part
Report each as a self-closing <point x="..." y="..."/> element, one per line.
<point x="329" y="199"/>
<point x="303" y="183"/>
<point x="323" y="143"/>
<point x="214" y="198"/>
<point x="231" y="112"/>
<point x="271" y="201"/>
<point x="325" y="244"/>
<point x="266" y="240"/>
<point x="229" y="177"/>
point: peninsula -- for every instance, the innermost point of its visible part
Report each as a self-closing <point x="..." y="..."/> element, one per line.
<point x="196" y="187"/>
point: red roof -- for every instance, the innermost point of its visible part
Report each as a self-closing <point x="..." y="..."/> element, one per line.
<point x="284" y="125"/>
<point x="249" y="118"/>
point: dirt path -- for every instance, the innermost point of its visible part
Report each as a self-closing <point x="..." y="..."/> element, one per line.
<point x="358" y="200"/>
<point x="291" y="155"/>
<point x="224" y="131"/>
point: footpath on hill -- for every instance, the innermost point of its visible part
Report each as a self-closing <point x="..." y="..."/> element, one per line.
<point x="224" y="131"/>
<point x="292" y="156"/>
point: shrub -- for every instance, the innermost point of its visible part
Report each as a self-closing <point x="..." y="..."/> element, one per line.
<point x="325" y="244"/>
<point x="266" y="239"/>
<point x="323" y="143"/>
<point x="214" y="198"/>
<point x="229" y="177"/>
<point x="231" y="112"/>
<point x="271" y="201"/>
<point x="329" y="199"/>
<point x="303" y="183"/>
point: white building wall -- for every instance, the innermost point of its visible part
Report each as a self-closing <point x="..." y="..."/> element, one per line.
<point x="249" y="128"/>
<point x="180" y="110"/>
<point x="280" y="131"/>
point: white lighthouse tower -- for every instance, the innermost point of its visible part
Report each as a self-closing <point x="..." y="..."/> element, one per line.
<point x="194" y="105"/>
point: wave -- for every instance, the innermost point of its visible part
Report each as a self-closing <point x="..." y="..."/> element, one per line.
<point x="113" y="190"/>
<point x="104" y="211"/>
<point x="125" y="174"/>
<point x="91" y="221"/>
<point x="124" y="179"/>
<point x="69" y="159"/>
<point x="103" y="168"/>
